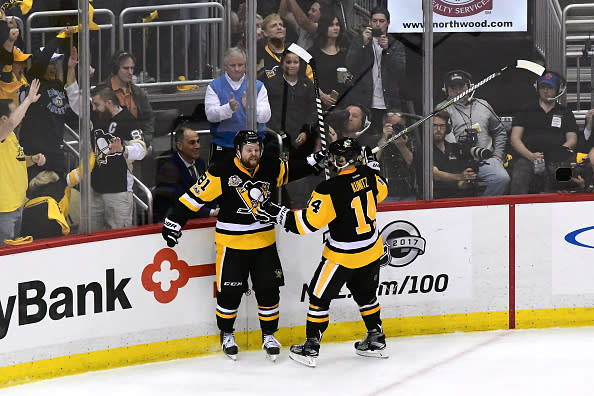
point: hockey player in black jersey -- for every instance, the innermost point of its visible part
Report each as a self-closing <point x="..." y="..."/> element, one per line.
<point x="347" y="203"/>
<point x="245" y="247"/>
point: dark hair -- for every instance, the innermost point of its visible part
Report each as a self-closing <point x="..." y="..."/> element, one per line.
<point x="322" y="33"/>
<point x="105" y="93"/>
<point x="179" y="133"/>
<point x="380" y="10"/>
<point x="302" y="65"/>
<point x="5" y="107"/>
<point x="118" y="57"/>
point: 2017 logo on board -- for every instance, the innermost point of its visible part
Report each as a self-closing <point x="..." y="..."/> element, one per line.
<point x="402" y="244"/>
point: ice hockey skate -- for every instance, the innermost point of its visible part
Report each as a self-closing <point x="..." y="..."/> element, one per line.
<point x="229" y="345"/>
<point x="374" y="345"/>
<point x="271" y="346"/>
<point x="306" y="353"/>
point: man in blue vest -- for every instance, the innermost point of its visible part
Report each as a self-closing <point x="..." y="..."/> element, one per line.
<point x="225" y="105"/>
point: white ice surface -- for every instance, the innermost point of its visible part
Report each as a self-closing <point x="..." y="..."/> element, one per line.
<point x="518" y="362"/>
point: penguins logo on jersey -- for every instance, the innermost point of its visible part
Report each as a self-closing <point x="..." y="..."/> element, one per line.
<point x="102" y="140"/>
<point x="253" y="193"/>
<point x="402" y="244"/>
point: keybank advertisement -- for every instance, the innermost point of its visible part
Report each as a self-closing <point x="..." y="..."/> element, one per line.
<point x="406" y="16"/>
<point x="136" y="290"/>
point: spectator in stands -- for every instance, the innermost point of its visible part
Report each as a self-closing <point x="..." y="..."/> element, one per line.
<point x="42" y="129"/>
<point x="260" y="39"/>
<point x="225" y="105"/>
<point x="129" y="94"/>
<point x="543" y="135"/>
<point x="269" y="57"/>
<point x="377" y="62"/>
<point x="13" y="165"/>
<point x="451" y="177"/>
<point x="329" y="51"/>
<point x="292" y="103"/>
<point x="396" y="159"/>
<point x="9" y="34"/>
<point x="352" y="121"/>
<point x="474" y="122"/>
<point x="19" y="66"/>
<point x="306" y="25"/>
<point x="179" y="173"/>
<point x="117" y="141"/>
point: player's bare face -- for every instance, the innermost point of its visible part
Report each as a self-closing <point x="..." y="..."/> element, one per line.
<point x="235" y="67"/>
<point x="250" y="155"/>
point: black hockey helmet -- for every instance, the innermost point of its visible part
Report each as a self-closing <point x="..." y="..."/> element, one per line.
<point x="247" y="136"/>
<point x="348" y="148"/>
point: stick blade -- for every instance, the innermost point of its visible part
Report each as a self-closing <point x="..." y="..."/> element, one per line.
<point x="303" y="54"/>
<point x="530" y="66"/>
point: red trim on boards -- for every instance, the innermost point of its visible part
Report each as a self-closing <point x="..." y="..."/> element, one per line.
<point x="512" y="266"/>
<point x="77" y="239"/>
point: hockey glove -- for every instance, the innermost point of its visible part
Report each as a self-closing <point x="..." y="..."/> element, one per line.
<point x="271" y="213"/>
<point x="317" y="161"/>
<point x="370" y="159"/>
<point x="171" y="232"/>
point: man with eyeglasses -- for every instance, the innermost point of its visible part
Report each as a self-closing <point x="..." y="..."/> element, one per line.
<point x="397" y="159"/>
<point x="451" y="177"/>
<point x="179" y="173"/>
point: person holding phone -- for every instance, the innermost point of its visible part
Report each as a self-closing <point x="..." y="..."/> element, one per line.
<point x="377" y="62"/>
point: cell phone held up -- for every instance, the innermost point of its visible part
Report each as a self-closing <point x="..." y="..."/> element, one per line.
<point x="376" y="32"/>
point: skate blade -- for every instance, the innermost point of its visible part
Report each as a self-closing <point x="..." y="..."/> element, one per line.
<point x="308" y="361"/>
<point x="380" y="354"/>
<point x="232" y="357"/>
<point x="272" y="358"/>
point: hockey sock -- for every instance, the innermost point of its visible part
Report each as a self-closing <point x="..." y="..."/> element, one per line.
<point x="227" y="306"/>
<point x="268" y="309"/>
<point x="317" y="320"/>
<point x="371" y="315"/>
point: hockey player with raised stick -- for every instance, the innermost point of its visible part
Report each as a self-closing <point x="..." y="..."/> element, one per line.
<point x="245" y="247"/>
<point x="347" y="203"/>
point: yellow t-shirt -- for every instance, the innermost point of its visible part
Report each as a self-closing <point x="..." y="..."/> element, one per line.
<point x="13" y="174"/>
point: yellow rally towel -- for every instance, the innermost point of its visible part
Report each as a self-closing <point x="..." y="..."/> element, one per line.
<point x="19" y="241"/>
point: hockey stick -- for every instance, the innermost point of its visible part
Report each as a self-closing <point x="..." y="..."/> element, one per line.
<point x="306" y="56"/>
<point x="520" y="64"/>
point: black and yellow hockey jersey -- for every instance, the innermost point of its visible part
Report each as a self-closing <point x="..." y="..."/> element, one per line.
<point x="347" y="203"/>
<point x="239" y="194"/>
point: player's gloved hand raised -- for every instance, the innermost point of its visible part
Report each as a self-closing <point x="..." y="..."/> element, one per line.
<point x="271" y="213"/>
<point x="171" y="232"/>
<point x="370" y="159"/>
<point x="317" y="161"/>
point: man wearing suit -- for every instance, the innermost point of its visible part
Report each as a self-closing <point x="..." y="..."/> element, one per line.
<point x="179" y="173"/>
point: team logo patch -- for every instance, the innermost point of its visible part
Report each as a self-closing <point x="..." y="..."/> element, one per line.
<point x="253" y="193"/>
<point x="102" y="141"/>
<point x="402" y="244"/>
<point x="234" y="181"/>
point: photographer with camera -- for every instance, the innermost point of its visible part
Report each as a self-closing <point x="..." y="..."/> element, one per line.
<point x="543" y="135"/>
<point x="396" y="160"/>
<point x="474" y="123"/>
<point x="451" y="176"/>
<point x="377" y="62"/>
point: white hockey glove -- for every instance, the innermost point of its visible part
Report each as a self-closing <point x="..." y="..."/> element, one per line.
<point x="171" y="232"/>
<point x="317" y="161"/>
<point x="371" y="160"/>
<point x="271" y="213"/>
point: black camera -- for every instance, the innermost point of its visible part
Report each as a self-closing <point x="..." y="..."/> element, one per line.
<point x="338" y="118"/>
<point x="376" y="32"/>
